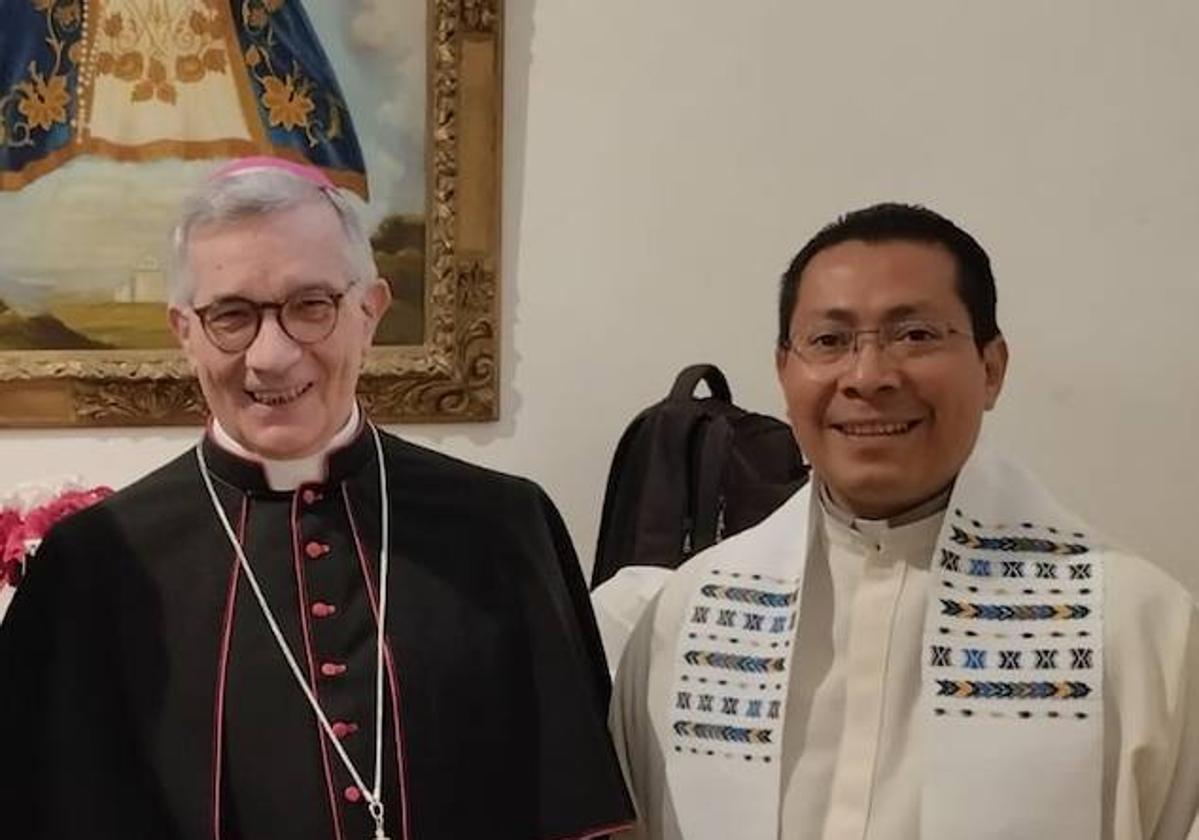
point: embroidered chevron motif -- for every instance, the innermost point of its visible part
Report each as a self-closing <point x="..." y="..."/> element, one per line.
<point x="1017" y="612"/>
<point x="1013" y="690"/>
<point x="1029" y="544"/>
<point x="733" y="662"/>
<point x="717" y="732"/>
<point x="745" y="595"/>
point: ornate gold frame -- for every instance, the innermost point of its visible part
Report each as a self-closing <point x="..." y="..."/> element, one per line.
<point x="452" y="376"/>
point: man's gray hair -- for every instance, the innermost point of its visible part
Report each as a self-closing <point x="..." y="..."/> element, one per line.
<point x="259" y="192"/>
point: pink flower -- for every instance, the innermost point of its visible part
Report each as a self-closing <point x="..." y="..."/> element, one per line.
<point x="12" y="545"/>
<point x="39" y="520"/>
<point x="17" y="530"/>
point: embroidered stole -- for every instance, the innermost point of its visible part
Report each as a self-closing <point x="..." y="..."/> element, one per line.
<point x="1011" y="702"/>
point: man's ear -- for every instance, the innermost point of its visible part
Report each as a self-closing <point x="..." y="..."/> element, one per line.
<point x="180" y="324"/>
<point x="780" y="361"/>
<point x="375" y="300"/>
<point x="995" y="358"/>
<point x="184" y="331"/>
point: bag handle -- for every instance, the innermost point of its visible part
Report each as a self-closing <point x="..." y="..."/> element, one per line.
<point x="687" y="381"/>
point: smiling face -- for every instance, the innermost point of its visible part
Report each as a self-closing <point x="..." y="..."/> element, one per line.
<point x="278" y="398"/>
<point x="885" y="435"/>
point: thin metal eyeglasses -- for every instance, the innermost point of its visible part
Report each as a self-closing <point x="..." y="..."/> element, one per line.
<point x="306" y="317"/>
<point x="899" y="342"/>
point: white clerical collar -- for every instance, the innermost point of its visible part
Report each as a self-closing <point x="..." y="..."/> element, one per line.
<point x="288" y="474"/>
<point x="921" y="511"/>
<point x="910" y="535"/>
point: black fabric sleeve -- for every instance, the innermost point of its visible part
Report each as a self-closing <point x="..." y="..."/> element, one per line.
<point x="582" y="792"/>
<point x="68" y="766"/>
<point x="584" y="616"/>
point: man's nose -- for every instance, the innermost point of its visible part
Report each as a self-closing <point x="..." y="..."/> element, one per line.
<point x="870" y="369"/>
<point x="272" y="349"/>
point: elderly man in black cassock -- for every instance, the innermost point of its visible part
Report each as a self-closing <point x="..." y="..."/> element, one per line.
<point x="302" y="627"/>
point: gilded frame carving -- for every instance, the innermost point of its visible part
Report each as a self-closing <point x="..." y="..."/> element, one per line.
<point x="451" y="376"/>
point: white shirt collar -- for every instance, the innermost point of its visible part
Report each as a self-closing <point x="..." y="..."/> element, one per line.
<point x="911" y="534"/>
<point x="288" y="474"/>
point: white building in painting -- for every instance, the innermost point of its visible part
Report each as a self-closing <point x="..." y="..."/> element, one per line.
<point x="147" y="283"/>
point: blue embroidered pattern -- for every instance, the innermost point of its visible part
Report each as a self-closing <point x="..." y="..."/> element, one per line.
<point x="980" y="567"/>
<point x="734" y="662"/>
<point x="974" y="658"/>
<point x="1033" y="545"/>
<point x="745" y="595"/>
<point x="718" y="732"/>
<point x="1013" y="690"/>
<point x="1016" y="612"/>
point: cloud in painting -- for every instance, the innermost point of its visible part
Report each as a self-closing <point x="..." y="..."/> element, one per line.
<point x="388" y="38"/>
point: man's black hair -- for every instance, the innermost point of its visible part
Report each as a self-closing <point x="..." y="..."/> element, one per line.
<point x="889" y="222"/>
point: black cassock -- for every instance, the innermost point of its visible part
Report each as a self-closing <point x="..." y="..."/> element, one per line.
<point x="142" y="694"/>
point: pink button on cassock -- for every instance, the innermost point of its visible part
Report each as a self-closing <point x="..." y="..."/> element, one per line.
<point x="352" y="794"/>
<point x="316" y="549"/>
<point x="342" y="728"/>
<point x="332" y="669"/>
<point x="310" y="497"/>
<point x="322" y="610"/>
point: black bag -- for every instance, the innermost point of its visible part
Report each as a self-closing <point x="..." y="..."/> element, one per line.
<point x="690" y="471"/>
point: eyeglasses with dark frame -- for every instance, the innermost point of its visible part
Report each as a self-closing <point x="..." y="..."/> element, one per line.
<point x="308" y="316"/>
<point x="834" y="344"/>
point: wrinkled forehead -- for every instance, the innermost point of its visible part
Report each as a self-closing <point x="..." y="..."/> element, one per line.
<point x="268" y="255"/>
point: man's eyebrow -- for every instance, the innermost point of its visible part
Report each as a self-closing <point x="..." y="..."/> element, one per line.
<point x="895" y="313"/>
<point x="229" y="299"/>
<point x="906" y="310"/>
<point x="313" y="286"/>
<point x="835" y="314"/>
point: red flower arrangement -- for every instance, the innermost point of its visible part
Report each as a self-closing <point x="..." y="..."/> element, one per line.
<point x="22" y="526"/>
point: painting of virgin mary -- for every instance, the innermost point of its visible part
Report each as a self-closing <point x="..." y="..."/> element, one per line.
<point x="111" y="109"/>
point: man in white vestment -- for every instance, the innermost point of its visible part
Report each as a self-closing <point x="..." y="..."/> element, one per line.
<point x="920" y="643"/>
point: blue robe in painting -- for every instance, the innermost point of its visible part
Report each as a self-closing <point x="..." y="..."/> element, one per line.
<point x="265" y="54"/>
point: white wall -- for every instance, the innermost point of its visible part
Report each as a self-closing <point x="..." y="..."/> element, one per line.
<point x="665" y="158"/>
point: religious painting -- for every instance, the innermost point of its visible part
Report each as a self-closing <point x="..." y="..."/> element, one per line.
<point x="112" y="110"/>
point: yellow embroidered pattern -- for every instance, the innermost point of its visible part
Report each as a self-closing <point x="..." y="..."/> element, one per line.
<point x="287" y="95"/>
<point x="157" y="46"/>
<point x="40" y="101"/>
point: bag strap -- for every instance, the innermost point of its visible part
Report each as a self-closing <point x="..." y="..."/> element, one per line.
<point x="708" y="462"/>
<point x="687" y="381"/>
